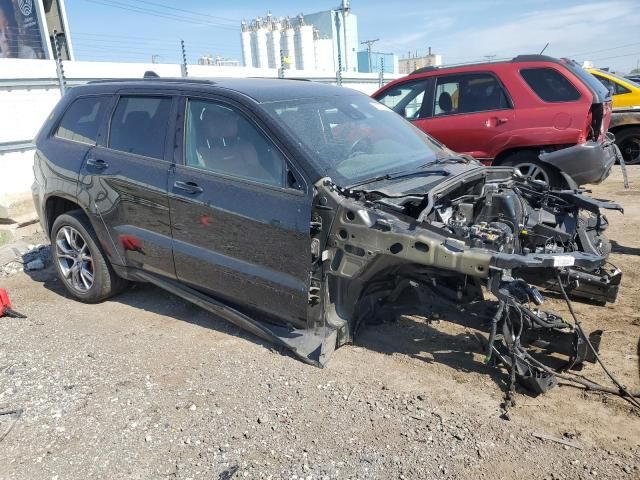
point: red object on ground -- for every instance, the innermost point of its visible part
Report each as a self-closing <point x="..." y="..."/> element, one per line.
<point x="6" y="309"/>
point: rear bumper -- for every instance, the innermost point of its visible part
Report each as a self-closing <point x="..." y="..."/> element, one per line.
<point x="36" y="194"/>
<point x="585" y="163"/>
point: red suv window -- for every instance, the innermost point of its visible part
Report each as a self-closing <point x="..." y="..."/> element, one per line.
<point x="550" y="85"/>
<point x="468" y="93"/>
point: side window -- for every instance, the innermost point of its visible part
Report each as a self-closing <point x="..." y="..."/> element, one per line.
<point x="550" y="85"/>
<point x="81" y="121"/>
<point x="405" y="99"/>
<point x="478" y="92"/>
<point x="220" y="139"/>
<point x="614" y="87"/>
<point x="607" y="83"/>
<point x="139" y="125"/>
<point x="620" y="89"/>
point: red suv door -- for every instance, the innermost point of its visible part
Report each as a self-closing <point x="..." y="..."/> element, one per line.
<point x="470" y="113"/>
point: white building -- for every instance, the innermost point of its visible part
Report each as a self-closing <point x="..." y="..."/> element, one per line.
<point x="323" y="41"/>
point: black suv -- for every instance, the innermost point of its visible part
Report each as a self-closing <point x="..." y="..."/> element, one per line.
<point x="294" y="209"/>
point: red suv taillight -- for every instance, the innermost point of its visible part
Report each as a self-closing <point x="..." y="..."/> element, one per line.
<point x="588" y="127"/>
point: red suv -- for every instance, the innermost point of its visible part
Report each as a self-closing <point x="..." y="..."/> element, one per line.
<point x="546" y="116"/>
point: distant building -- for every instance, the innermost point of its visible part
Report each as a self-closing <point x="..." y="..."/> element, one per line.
<point x="324" y="41"/>
<point x="386" y="62"/>
<point x="218" y="61"/>
<point x="409" y="64"/>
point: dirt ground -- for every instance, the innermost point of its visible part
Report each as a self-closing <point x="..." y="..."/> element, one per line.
<point x="148" y="386"/>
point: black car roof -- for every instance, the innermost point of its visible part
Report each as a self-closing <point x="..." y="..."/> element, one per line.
<point x="262" y="90"/>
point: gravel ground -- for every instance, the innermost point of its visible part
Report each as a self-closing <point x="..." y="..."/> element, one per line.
<point x="148" y="386"/>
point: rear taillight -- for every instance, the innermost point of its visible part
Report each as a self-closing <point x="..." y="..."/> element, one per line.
<point x="587" y="131"/>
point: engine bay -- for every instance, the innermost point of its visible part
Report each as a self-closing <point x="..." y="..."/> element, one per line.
<point x="484" y="236"/>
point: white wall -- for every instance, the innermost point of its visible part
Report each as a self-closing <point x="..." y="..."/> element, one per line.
<point x="29" y="89"/>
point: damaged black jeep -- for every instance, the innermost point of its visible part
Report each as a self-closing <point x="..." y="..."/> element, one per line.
<point x="302" y="211"/>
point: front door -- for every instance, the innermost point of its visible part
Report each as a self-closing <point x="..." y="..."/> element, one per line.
<point x="470" y="113"/>
<point x="239" y="232"/>
<point x="124" y="182"/>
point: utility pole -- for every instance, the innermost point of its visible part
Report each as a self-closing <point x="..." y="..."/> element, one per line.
<point x="344" y="8"/>
<point x="185" y="73"/>
<point x="369" y="43"/>
<point x="57" y="50"/>
<point x="489" y="57"/>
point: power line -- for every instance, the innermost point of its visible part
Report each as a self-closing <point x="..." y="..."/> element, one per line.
<point x="369" y="44"/>
<point x="106" y="43"/>
<point x="191" y="12"/>
<point x="604" y="49"/>
<point x="618" y="56"/>
<point x="149" y="12"/>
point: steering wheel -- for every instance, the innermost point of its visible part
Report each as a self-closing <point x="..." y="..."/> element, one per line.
<point x="362" y="145"/>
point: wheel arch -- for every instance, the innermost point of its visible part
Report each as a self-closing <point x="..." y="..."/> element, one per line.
<point x="503" y="155"/>
<point x="621" y="128"/>
<point x="55" y="205"/>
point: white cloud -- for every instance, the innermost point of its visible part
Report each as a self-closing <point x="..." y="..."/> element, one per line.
<point x="582" y="28"/>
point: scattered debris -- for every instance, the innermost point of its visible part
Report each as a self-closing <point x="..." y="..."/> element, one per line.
<point x="561" y="441"/>
<point x="16" y="415"/>
<point x="350" y="393"/>
<point x="36" y="264"/>
<point x="17" y="258"/>
<point x="229" y="472"/>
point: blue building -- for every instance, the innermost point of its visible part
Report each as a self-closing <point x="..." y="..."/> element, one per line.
<point x="379" y="61"/>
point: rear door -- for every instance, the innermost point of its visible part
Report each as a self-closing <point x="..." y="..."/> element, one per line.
<point x="469" y="113"/>
<point x="240" y="212"/>
<point x="124" y="180"/>
<point x="72" y="139"/>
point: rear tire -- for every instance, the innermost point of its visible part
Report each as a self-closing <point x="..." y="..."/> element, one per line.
<point x="80" y="263"/>
<point x="528" y="163"/>
<point x="628" y="141"/>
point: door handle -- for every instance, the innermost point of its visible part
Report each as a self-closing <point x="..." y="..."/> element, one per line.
<point x="189" y="187"/>
<point x="97" y="163"/>
<point x="495" y="121"/>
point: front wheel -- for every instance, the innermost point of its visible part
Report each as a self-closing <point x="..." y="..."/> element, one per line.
<point x="79" y="260"/>
<point x="531" y="167"/>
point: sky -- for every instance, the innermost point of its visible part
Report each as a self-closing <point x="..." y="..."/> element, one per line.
<point x="606" y="32"/>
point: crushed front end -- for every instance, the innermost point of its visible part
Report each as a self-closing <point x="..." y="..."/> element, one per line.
<point x="457" y="234"/>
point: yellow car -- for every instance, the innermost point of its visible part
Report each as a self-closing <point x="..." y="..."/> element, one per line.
<point x="626" y="93"/>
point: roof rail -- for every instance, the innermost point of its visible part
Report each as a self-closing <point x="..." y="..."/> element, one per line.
<point x="535" y="58"/>
<point x="151" y="79"/>
<point x="424" y="69"/>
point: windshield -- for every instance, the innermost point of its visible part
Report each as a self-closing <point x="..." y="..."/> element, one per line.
<point x="355" y="138"/>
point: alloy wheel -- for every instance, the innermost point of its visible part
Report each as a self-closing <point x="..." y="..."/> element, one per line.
<point x="74" y="259"/>
<point x="533" y="172"/>
<point x="630" y="149"/>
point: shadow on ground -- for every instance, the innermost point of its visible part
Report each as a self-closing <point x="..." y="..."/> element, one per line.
<point x="153" y="299"/>
<point x="409" y="336"/>
<point x="617" y="248"/>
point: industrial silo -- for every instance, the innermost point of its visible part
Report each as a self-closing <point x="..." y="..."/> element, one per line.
<point x="245" y="36"/>
<point x="305" y="50"/>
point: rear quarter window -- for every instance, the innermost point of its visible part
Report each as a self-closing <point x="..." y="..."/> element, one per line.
<point x="81" y="121"/>
<point x="550" y="85"/>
